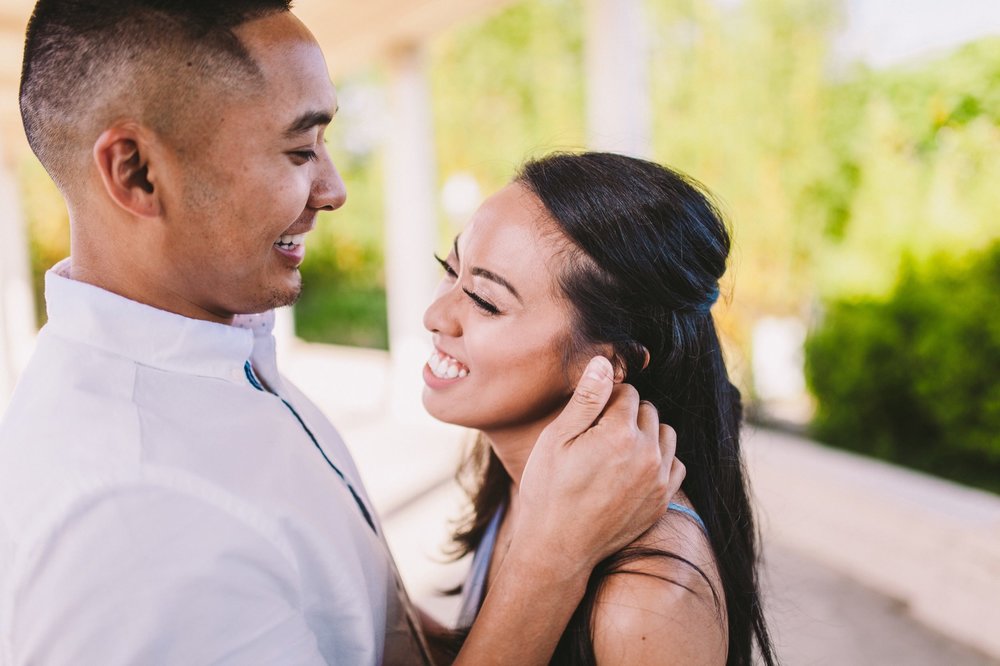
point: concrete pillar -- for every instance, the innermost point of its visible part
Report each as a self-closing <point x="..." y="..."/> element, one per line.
<point x="617" y="78"/>
<point x="411" y="225"/>
<point x="17" y="307"/>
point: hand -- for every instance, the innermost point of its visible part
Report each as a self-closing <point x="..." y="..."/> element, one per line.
<point x="599" y="475"/>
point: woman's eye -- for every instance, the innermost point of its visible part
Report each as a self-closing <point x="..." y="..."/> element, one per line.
<point x="447" y="267"/>
<point x="482" y="303"/>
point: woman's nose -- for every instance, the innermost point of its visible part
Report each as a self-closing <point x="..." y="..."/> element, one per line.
<point x="439" y="317"/>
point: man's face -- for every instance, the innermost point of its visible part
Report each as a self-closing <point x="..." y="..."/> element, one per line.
<point x="251" y="187"/>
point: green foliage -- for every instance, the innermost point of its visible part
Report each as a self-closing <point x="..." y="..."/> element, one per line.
<point x="343" y="313"/>
<point x="508" y="88"/>
<point x="48" y="226"/>
<point x="914" y="162"/>
<point x="914" y="376"/>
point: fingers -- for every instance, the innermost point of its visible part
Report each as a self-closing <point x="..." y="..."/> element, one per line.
<point x="677" y="473"/>
<point x="668" y="441"/>
<point x="588" y="401"/>
<point x="672" y="470"/>
<point x="622" y="410"/>
<point x="648" y="419"/>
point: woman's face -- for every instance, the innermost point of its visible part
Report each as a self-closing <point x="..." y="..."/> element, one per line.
<point x="500" y="323"/>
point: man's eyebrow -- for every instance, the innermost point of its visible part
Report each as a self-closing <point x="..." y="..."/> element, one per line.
<point x="307" y="121"/>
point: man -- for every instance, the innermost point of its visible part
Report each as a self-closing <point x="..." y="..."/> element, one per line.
<point x="166" y="497"/>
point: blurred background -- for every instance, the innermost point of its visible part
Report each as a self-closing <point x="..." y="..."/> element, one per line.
<point x="854" y="146"/>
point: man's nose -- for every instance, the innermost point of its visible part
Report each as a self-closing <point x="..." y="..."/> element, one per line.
<point x="328" y="189"/>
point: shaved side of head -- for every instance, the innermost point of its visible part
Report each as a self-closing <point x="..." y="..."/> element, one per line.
<point x="162" y="63"/>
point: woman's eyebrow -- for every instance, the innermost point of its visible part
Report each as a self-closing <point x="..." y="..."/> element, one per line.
<point x="489" y="275"/>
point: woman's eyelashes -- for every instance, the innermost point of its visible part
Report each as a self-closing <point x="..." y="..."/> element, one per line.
<point x="481" y="303"/>
<point x="451" y="272"/>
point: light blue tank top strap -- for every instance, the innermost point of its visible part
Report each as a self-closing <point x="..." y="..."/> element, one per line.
<point x="691" y="513"/>
<point x="474" y="588"/>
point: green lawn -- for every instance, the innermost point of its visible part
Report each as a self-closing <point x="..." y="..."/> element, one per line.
<point x="343" y="314"/>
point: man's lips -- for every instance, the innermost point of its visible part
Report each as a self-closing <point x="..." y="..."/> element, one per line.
<point x="292" y="247"/>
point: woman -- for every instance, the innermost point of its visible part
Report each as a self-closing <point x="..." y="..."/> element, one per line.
<point x="601" y="253"/>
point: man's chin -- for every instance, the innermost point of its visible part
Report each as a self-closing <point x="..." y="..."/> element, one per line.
<point x="275" y="297"/>
<point x="285" y="297"/>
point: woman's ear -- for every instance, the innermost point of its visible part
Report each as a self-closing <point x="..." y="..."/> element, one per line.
<point x="620" y="363"/>
<point x="123" y="154"/>
<point x="617" y="362"/>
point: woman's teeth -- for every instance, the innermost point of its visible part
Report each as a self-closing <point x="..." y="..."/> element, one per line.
<point x="288" y="241"/>
<point x="445" y="367"/>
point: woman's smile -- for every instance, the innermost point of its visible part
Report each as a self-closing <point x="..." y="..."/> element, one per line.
<point x="443" y="366"/>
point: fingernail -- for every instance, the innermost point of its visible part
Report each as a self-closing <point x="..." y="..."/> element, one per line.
<point x="599" y="368"/>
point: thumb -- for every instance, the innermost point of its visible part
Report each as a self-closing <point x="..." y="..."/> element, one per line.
<point x="588" y="401"/>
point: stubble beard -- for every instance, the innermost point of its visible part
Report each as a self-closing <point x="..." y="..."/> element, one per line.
<point x="279" y="298"/>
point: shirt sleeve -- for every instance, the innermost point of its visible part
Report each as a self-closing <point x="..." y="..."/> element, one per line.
<point x="154" y="576"/>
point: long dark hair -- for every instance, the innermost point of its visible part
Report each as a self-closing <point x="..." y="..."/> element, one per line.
<point x="646" y="250"/>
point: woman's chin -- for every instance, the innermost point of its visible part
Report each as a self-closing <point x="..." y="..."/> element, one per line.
<point x="433" y="406"/>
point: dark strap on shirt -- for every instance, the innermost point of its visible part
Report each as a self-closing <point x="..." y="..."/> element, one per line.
<point x="252" y="378"/>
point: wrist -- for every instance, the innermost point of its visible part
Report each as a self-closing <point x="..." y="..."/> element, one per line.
<point x="545" y="563"/>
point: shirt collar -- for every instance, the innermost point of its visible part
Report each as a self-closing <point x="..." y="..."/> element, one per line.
<point x="90" y="315"/>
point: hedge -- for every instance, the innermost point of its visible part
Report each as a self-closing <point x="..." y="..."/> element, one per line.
<point x="915" y="377"/>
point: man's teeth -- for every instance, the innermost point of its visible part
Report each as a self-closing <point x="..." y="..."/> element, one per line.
<point x="445" y="367"/>
<point x="289" y="240"/>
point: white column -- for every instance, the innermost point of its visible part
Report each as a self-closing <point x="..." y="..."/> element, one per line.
<point x="411" y="225"/>
<point x="284" y="331"/>
<point x="616" y="67"/>
<point x="17" y="307"/>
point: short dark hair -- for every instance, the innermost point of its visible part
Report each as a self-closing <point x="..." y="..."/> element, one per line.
<point x="87" y="62"/>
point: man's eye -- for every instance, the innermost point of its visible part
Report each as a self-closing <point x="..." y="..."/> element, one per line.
<point x="304" y="155"/>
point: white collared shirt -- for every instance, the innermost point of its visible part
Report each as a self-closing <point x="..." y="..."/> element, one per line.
<point x="157" y="507"/>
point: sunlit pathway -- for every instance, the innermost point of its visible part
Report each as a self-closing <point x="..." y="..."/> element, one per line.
<point x="821" y="617"/>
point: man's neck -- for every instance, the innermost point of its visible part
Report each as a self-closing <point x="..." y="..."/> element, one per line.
<point x="135" y="284"/>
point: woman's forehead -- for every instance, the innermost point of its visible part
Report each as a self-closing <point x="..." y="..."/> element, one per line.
<point x="511" y="215"/>
<point x="512" y="235"/>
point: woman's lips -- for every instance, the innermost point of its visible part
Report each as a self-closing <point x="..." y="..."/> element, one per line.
<point x="442" y="370"/>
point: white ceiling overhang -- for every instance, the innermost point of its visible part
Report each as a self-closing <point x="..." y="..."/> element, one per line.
<point x="353" y="34"/>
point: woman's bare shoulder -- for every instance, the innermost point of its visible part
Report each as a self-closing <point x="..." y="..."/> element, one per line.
<point x="663" y="609"/>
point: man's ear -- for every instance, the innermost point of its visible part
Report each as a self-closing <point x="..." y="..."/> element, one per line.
<point x="122" y="154"/>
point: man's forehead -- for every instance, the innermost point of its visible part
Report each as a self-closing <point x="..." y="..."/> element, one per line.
<point x="297" y="90"/>
<point x="273" y="30"/>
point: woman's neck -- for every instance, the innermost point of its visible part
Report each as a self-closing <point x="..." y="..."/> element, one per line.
<point x="512" y="447"/>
